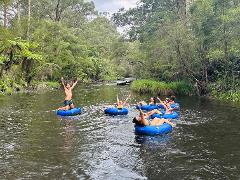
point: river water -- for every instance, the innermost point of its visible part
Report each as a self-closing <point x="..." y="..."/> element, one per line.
<point x="37" y="144"/>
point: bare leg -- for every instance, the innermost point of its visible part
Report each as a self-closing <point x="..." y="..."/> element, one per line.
<point x="61" y="108"/>
<point x="155" y="111"/>
<point x="72" y="106"/>
<point x="158" y="122"/>
<point x="141" y="103"/>
<point x="167" y="121"/>
<point x="65" y="108"/>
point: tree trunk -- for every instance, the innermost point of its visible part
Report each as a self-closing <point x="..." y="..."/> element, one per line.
<point x="57" y="11"/>
<point x="18" y="12"/>
<point x="29" y="18"/>
<point x="27" y="63"/>
<point x="225" y="43"/>
<point x="181" y="9"/>
<point x="5" y="3"/>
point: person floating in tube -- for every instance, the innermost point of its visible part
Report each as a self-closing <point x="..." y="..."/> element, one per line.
<point x="68" y="87"/>
<point x="152" y="101"/>
<point x="121" y="104"/>
<point x="143" y="119"/>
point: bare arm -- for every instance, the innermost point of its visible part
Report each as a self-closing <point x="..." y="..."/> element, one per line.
<point x="143" y="118"/>
<point x="158" y="98"/>
<point x="129" y="96"/>
<point x="117" y="100"/>
<point x="169" y="122"/>
<point x="166" y="107"/>
<point x="74" y="84"/>
<point x="62" y="80"/>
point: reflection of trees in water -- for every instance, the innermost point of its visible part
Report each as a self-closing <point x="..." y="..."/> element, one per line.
<point x="153" y="153"/>
<point x="69" y="131"/>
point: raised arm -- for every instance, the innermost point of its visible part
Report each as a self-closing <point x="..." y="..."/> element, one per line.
<point x="74" y="84"/>
<point x="143" y="118"/>
<point x="158" y="98"/>
<point x="117" y="99"/>
<point x="129" y="96"/>
<point x="166" y="107"/>
<point x="62" y="80"/>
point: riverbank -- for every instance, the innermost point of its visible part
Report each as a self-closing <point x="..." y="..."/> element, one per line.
<point x="179" y="88"/>
<point x="10" y="87"/>
<point x="162" y="88"/>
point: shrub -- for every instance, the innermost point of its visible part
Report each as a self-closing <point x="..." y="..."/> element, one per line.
<point x="163" y="88"/>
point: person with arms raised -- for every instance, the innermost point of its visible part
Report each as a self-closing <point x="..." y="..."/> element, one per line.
<point x="68" y="103"/>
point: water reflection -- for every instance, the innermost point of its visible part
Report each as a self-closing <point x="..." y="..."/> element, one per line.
<point x="69" y="131"/>
<point x="153" y="141"/>
<point x="34" y="142"/>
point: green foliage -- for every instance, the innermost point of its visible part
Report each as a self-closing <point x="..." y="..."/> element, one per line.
<point x="170" y="41"/>
<point x="8" y="85"/>
<point x="66" y="38"/>
<point x="126" y="57"/>
<point x="182" y="87"/>
<point x="53" y="85"/>
<point x="196" y="42"/>
<point x="227" y="96"/>
<point x="163" y="88"/>
<point x="38" y="85"/>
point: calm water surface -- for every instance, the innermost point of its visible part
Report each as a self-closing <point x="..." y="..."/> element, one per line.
<point x="37" y="144"/>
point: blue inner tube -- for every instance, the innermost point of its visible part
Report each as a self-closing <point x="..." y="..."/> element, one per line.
<point x="147" y="107"/>
<point x="173" y="115"/>
<point x="156" y="116"/>
<point x="153" y="130"/>
<point x="175" y="106"/>
<point x="161" y="106"/>
<point x="71" y="112"/>
<point x="116" y="111"/>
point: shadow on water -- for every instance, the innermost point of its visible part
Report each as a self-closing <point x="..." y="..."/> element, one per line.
<point x="34" y="142"/>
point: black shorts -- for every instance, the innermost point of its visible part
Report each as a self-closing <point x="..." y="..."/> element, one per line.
<point x="68" y="102"/>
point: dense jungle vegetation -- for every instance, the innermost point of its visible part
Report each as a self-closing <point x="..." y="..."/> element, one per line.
<point x="192" y="41"/>
<point x="195" y="41"/>
<point x="43" y="40"/>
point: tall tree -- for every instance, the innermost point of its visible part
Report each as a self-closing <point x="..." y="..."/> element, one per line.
<point x="68" y="11"/>
<point x="29" y="19"/>
<point x="5" y="9"/>
<point x="18" y="11"/>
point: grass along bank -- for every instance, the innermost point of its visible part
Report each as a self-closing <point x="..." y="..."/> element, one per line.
<point x="163" y="88"/>
<point x="227" y="96"/>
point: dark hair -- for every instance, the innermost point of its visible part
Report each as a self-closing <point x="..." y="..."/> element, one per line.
<point x="173" y="98"/>
<point x="154" y="100"/>
<point x="135" y="120"/>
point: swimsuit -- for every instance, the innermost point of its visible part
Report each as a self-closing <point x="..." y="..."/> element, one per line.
<point x="68" y="102"/>
<point x="149" y="122"/>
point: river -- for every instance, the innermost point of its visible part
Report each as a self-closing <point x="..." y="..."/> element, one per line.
<point x="37" y="144"/>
